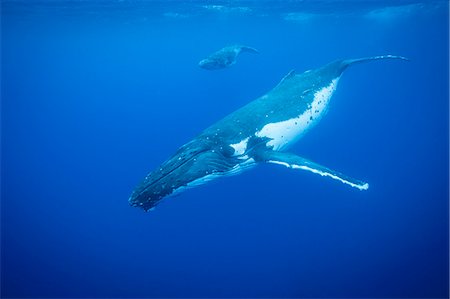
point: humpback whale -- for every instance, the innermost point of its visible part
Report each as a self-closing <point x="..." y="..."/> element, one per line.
<point x="224" y="57"/>
<point x="259" y="132"/>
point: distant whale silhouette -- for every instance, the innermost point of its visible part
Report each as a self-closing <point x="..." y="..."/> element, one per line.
<point x="224" y="57"/>
<point x="256" y="133"/>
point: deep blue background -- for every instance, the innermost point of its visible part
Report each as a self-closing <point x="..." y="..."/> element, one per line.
<point x="94" y="96"/>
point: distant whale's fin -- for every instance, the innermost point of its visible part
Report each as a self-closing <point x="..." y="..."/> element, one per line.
<point x="365" y="59"/>
<point x="296" y="162"/>
<point x="248" y="49"/>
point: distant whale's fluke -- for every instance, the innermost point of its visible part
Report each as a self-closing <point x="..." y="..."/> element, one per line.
<point x="249" y="49"/>
<point x="224" y="57"/>
<point x="259" y="132"/>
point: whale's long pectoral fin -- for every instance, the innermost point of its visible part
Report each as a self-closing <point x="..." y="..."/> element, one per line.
<point x="296" y="162"/>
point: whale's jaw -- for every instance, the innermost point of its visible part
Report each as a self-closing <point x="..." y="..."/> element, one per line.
<point x="191" y="166"/>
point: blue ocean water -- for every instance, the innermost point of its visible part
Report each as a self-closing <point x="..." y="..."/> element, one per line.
<point x="95" y="94"/>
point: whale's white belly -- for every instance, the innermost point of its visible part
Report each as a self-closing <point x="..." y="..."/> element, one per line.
<point x="284" y="133"/>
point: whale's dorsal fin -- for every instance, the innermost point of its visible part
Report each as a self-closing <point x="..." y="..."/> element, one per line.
<point x="296" y="162"/>
<point x="289" y="75"/>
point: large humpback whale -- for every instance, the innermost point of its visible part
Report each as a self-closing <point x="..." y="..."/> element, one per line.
<point x="259" y="132"/>
<point x="224" y="57"/>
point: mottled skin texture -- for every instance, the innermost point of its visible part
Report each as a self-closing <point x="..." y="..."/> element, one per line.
<point x="211" y="155"/>
<point x="224" y="57"/>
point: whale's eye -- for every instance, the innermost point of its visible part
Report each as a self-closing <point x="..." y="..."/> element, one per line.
<point x="227" y="151"/>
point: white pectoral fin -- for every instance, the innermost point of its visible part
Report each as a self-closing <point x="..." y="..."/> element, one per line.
<point x="297" y="162"/>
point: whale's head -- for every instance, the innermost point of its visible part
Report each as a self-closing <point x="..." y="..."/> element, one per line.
<point x="208" y="64"/>
<point x="193" y="164"/>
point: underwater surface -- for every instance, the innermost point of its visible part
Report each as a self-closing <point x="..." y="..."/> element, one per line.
<point x="96" y="94"/>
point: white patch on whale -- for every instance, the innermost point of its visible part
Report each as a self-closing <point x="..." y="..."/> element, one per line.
<point x="285" y="132"/>
<point x="240" y="147"/>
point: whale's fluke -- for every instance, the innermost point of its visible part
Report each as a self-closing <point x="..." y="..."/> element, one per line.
<point x="366" y="59"/>
<point x="249" y="49"/>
